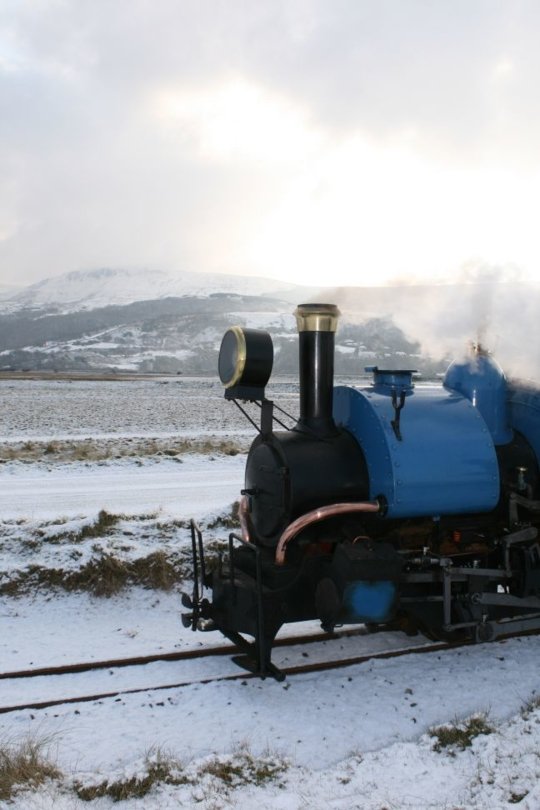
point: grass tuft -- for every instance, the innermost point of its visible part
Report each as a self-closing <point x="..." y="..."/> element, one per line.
<point x="155" y="571"/>
<point x="101" y="527"/>
<point x="229" y="520"/>
<point x="105" y="521"/>
<point x="460" y="735"/>
<point x="243" y="768"/>
<point x="530" y="706"/>
<point x="24" y="765"/>
<point x="104" y="575"/>
<point x="161" y="768"/>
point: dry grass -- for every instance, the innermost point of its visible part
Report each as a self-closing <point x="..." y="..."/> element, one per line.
<point x="161" y="768"/>
<point x="101" y="527"/>
<point x="225" y="773"/>
<point x="104" y="523"/>
<point x="530" y="706"/>
<point x="24" y="765"/>
<point x="460" y="735"/>
<point x="100" y="557"/>
<point x="104" y="576"/>
<point x="227" y="521"/>
<point x="27" y="766"/>
<point x="104" y="449"/>
<point x="244" y="769"/>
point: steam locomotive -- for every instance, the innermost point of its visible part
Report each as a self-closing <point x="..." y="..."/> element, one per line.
<point x="386" y="504"/>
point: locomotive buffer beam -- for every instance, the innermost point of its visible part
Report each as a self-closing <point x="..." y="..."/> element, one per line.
<point x="240" y="606"/>
<point x="255" y="656"/>
<point x="257" y="653"/>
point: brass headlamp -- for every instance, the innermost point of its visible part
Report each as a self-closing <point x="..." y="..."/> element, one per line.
<point x="245" y="362"/>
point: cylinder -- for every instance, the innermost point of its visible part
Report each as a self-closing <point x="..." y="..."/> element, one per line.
<point x="317" y="324"/>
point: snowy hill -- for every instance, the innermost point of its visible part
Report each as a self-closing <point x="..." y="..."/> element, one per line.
<point x="177" y="334"/>
<point x="8" y="291"/>
<point x="84" y="290"/>
<point x="159" y="321"/>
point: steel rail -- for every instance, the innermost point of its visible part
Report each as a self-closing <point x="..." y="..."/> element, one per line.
<point x="301" y="669"/>
<point x="180" y="655"/>
<point x="320" y="666"/>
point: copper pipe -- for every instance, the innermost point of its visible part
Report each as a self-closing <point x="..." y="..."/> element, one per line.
<point x="315" y="516"/>
<point x="243" y="517"/>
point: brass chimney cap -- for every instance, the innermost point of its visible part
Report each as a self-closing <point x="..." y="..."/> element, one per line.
<point x="317" y="317"/>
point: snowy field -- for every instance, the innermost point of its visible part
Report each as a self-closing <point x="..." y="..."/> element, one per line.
<point x="48" y="409"/>
<point x="359" y="737"/>
<point x="160" y="407"/>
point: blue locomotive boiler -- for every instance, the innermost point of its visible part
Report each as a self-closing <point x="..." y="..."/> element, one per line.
<point x="387" y="504"/>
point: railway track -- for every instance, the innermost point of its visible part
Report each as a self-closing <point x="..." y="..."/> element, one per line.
<point x="183" y="655"/>
<point x="213" y="668"/>
<point x="48" y="686"/>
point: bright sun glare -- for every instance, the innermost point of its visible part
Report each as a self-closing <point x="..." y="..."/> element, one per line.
<point x="352" y="210"/>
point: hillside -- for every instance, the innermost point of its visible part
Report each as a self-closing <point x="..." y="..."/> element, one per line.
<point x="94" y="289"/>
<point x="129" y="320"/>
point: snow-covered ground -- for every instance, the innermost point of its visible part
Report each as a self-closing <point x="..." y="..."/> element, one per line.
<point x="177" y="489"/>
<point x="352" y="738"/>
<point x="40" y="409"/>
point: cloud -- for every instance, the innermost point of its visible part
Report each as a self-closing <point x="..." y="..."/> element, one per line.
<point x="290" y="137"/>
<point x="234" y="120"/>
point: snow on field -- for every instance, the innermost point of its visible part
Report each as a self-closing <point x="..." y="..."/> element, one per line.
<point x="358" y="737"/>
<point x="180" y="489"/>
<point x="44" y="408"/>
<point x="92" y="628"/>
<point x="169" y="406"/>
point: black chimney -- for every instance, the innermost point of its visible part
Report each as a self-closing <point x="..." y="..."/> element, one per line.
<point x="316" y="327"/>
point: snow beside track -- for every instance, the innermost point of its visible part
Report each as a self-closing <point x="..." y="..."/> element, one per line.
<point x="198" y="486"/>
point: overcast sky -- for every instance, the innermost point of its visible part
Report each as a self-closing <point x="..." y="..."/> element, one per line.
<point x="318" y="141"/>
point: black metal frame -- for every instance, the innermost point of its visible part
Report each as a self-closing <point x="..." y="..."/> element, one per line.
<point x="256" y="656"/>
<point x="197" y="553"/>
<point x="484" y="628"/>
<point x="472" y="605"/>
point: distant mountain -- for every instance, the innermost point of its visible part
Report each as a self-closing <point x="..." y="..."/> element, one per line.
<point x="8" y="291"/>
<point x="182" y="335"/>
<point x="131" y="320"/>
<point x="91" y="289"/>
